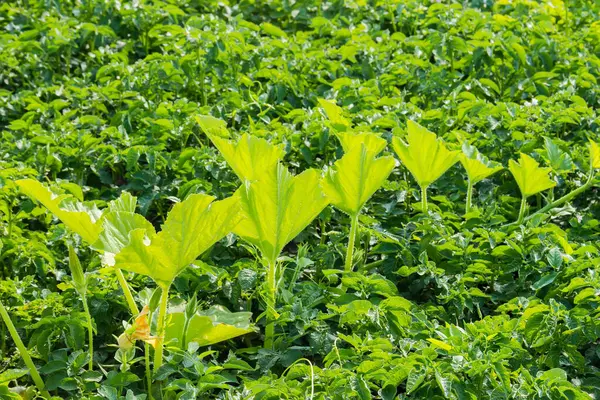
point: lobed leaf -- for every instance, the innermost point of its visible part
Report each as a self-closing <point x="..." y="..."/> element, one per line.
<point x="478" y="166"/>
<point x="530" y="177"/>
<point x="425" y="156"/>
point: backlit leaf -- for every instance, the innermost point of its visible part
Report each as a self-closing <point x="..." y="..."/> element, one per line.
<point x="191" y="228"/>
<point x="77" y="216"/>
<point x="478" y="167"/>
<point x="425" y="156"/>
<point x="594" y="154"/>
<point x="353" y="179"/>
<point x="530" y="177"/>
<point x="335" y="115"/>
<point x="278" y="207"/>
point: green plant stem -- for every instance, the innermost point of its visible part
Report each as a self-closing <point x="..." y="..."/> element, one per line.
<point x="148" y="374"/>
<point x="133" y="308"/>
<point x="162" y="316"/>
<point x="522" y="210"/>
<point x="90" y="329"/>
<point x="566" y="197"/>
<point x="469" y="197"/>
<point x="271" y="302"/>
<point x="37" y="379"/>
<point x="424" y="206"/>
<point x="351" y="240"/>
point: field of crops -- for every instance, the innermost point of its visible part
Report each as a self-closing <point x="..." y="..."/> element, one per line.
<point x="357" y="199"/>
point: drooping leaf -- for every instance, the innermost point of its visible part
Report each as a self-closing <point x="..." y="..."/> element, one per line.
<point x="594" y="154"/>
<point x="335" y="115"/>
<point x="530" y="177"/>
<point x="249" y="157"/>
<point x="209" y="327"/>
<point x="425" y="156"/>
<point x="79" y="217"/>
<point x="478" y="166"/>
<point x="191" y="228"/>
<point x="354" y="178"/>
<point x="278" y="207"/>
<point x="560" y="161"/>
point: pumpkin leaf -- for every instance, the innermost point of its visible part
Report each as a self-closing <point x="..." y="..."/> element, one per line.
<point x="355" y="177"/>
<point x="425" y="156"/>
<point x="335" y="115"/>
<point x="594" y="154"/>
<point x="191" y="228"/>
<point x="278" y="207"/>
<point x="530" y="177"/>
<point x="478" y="166"/>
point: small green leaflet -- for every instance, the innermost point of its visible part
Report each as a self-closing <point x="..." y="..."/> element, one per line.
<point x="278" y="207"/>
<point x="560" y="161"/>
<point x="355" y="177"/>
<point x="425" y="156"/>
<point x="530" y="177"/>
<point x="191" y="228"/>
<point x="247" y="157"/>
<point x="478" y="166"/>
<point x="335" y="115"/>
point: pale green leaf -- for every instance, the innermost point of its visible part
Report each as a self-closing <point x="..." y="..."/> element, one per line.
<point x="354" y="178"/>
<point x="78" y="217"/>
<point x="478" y="167"/>
<point x="372" y="142"/>
<point x="212" y="126"/>
<point x="278" y="207"/>
<point x="208" y="327"/>
<point x="79" y="281"/>
<point x="426" y="157"/>
<point x="335" y="115"/>
<point x="191" y="228"/>
<point x="530" y="177"/>
<point x="594" y="154"/>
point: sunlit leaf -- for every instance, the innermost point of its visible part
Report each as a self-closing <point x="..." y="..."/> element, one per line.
<point x="594" y="154"/>
<point x="425" y="156"/>
<point x="208" y="327"/>
<point x="478" y="166"/>
<point x="79" y="217"/>
<point x="372" y="142"/>
<point x="530" y="177"/>
<point x="191" y="228"/>
<point x="559" y="160"/>
<point x="248" y="157"/>
<point x="278" y="207"/>
<point x="335" y="115"/>
<point x="353" y="179"/>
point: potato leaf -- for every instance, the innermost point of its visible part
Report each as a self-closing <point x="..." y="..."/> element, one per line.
<point x="79" y="217"/>
<point x="191" y="228"/>
<point x="278" y="207"/>
<point x="355" y="177"/>
<point x="530" y="177"/>
<point x="425" y="156"/>
<point x="478" y="166"/>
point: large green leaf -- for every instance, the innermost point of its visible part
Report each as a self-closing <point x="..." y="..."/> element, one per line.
<point x="594" y="154"/>
<point x="530" y="177"/>
<point x="249" y="157"/>
<point x="370" y="141"/>
<point x="278" y="207"/>
<point x="79" y="217"/>
<point x="191" y="228"/>
<point x="426" y="157"/>
<point x="208" y="327"/>
<point x="355" y="177"/>
<point x="478" y="166"/>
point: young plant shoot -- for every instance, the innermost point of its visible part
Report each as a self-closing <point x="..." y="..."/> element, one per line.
<point x="425" y="156"/>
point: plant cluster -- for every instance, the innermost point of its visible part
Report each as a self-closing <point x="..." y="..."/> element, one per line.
<point x="389" y="199"/>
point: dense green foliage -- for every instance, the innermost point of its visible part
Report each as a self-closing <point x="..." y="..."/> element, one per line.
<point x="437" y="299"/>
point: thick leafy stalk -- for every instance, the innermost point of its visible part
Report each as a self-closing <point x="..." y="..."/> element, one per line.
<point x="162" y="316"/>
<point x="37" y="379"/>
<point x="424" y="199"/>
<point x="90" y="329"/>
<point x="469" y="197"/>
<point x="127" y="292"/>
<point x="351" y="240"/>
<point x="271" y="302"/>
<point x="522" y="209"/>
